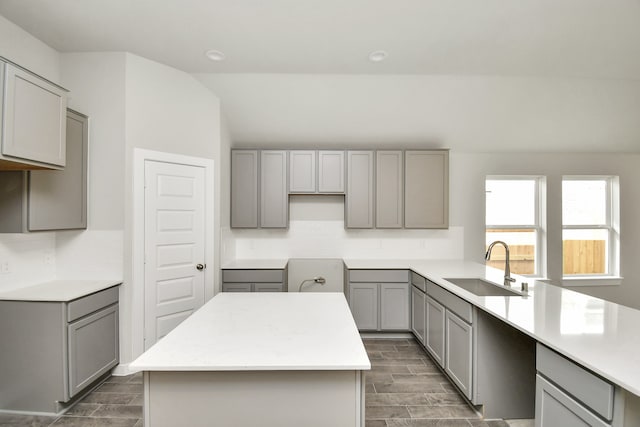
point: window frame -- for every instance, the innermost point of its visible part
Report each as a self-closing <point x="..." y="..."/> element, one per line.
<point x="539" y="226"/>
<point x="612" y="225"/>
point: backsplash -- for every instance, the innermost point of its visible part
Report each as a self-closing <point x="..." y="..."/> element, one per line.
<point x="329" y="239"/>
<point x="27" y="259"/>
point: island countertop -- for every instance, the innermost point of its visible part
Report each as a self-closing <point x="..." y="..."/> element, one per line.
<point x="261" y="332"/>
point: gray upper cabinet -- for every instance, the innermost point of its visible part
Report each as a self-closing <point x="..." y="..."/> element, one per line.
<point x="426" y="199"/>
<point x="244" y="188"/>
<point x="274" y="206"/>
<point x="359" y="195"/>
<point x="389" y="189"/>
<point x="33" y="121"/>
<point x="52" y="199"/>
<point x="58" y="199"/>
<point x="330" y="171"/>
<point x="302" y="171"/>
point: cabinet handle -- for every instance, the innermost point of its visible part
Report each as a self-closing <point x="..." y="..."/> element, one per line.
<point x="201" y="266"/>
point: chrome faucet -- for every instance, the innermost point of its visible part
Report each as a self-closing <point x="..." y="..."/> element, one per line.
<point x="507" y="269"/>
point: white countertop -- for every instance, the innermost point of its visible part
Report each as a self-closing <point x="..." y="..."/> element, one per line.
<point x="262" y="331"/>
<point x="256" y="264"/>
<point x="58" y="290"/>
<point x="598" y="334"/>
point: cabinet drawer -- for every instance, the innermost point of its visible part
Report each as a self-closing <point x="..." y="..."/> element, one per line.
<point x="379" y="276"/>
<point x="85" y="305"/>
<point x="419" y="281"/>
<point x="236" y="287"/>
<point x="253" y="276"/>
<point x="267" y="287"/>
<point x="452" y="302"/>
<point x="585" y="386"/>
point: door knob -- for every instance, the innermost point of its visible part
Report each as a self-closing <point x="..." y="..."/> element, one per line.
<point x="201" y="266"/>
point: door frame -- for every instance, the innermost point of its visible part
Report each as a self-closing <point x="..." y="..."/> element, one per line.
<point x="140" y="156"/>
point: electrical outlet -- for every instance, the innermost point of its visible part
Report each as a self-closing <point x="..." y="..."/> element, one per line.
<point x="5" y="267"/>
<point x="49" y="258"/>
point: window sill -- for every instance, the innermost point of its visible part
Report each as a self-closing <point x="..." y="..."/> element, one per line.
<point x="592" y="281"/>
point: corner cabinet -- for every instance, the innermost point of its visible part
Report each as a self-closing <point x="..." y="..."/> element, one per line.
<point x="379" y="299"/>
<point x="33" y="121"/>
<point x="51" y="199"/>
<point x="57" y="350"/>
<point x="426" y="197"/>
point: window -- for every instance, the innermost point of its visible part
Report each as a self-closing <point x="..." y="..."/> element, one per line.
<point x="590" y="226"/>
<point x="513" y="215"/>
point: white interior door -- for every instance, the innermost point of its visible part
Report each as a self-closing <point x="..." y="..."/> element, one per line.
<point x="174" y="243"/>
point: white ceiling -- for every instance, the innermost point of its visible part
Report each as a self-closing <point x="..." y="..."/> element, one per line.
<point x="586" y="45"/>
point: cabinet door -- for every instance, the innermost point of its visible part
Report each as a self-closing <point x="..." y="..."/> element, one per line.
<point x="93" y="347"/>
<point x="244" y="188"/>
<point x="426" y="194"/>
<point x="330" y="171"/>
<point x="417" y="313"/>
<point x="58" y="199"/>
<point x="34" y="125"/>
<point x="359" y="196"/>
<point x="435" y="329"/>
<point x="554" y="408"/>
<point x="389" y="189"/>
<point x="274" y="203"/>
<point x="363" y="301"/>
<point x="236" y="287"/>
<point x="394" y="306"/>
<point x="302" y="171"/>
<point x="267" y="287"/>
<point x="458" y="352"/>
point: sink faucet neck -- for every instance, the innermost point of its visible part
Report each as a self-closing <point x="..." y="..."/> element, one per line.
<point x="507" y="268"/>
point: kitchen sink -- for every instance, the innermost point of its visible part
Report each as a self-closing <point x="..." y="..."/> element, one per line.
<point x="483" y="288"/>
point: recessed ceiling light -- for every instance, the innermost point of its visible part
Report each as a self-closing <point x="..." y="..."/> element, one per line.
<point x="214" y="55"/>
<point x="378" y="55"/>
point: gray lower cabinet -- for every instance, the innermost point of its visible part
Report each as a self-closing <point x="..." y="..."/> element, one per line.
<point x="570" y="395"/>
<point x="435" y="318"/>
<point x="57" y="349"/>
<point x="274" y="200"/>
<point x="418" y="313"/>
<point x="459" y="352"/>
<point x="389" y="189"/>
<point x="426" y="197"/>
<point x="379" y="299"/>
<point x="32" y="117"/>
<point x="244" y="188"/>
<point x="359" y="195"/>
<point x="254" y="280"/>
<point x="51" y="199"/>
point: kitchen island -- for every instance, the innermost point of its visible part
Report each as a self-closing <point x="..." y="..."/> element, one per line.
<point x="284" y="359"/>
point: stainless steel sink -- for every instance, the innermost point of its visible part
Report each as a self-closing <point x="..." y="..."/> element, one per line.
<point x="483" y="288"/>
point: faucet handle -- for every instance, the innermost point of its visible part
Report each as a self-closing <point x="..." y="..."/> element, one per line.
<point x="508" y="280"/>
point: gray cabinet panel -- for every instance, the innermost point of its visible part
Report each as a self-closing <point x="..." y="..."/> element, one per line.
<point x="34" y="112"/>
<point x="330" y="171"/>
<point x="359" y="195"/>
<point x="267" y="287"/>
<point x="554" y="408"/>
<point x="253" y="276"/>
<point x="588" y="388"/>
<point x="58" y="199"/>
<point x="244" y="188"/>
<point x="459" y="352"/>
<point x="417" y="313"/>
<point x="419" y="281"/>
<point x="451" y="301"/>
<point x="93" y="348"/>
<point x="302" y="171"/>
<point x="394" y="306"/>
<point x="389" y="189"/>
<point x="87" y="305"/>
<point x="426" y="189"/>
<point x="363" y="301"/>
<point x="379" y="276"/>
<point x="435" y="314"/>
<point x="236" y="287"/>
<point x="274" y="203"/>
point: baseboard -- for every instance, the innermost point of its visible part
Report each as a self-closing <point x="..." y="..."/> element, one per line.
<point x="386" y="335"/>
